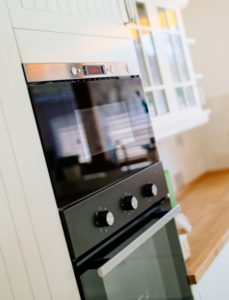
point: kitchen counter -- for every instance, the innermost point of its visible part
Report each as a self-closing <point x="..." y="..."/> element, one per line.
<point x="206" y="204"/>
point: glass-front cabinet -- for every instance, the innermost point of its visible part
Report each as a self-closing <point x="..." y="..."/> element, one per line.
<point x="165" y="64"/>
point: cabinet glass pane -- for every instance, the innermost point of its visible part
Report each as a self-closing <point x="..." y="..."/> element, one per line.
<point x="142" y="15"/>
<point x="140" y="56"/>
<point x="149" y="49"/>
<point x="190" y="96"/>
<point x="180" y="98"/>
<point x="199" y="94"/>
<point x="162" y="18"/>
<point x="172" y="19"/>
<point x="180" y="57"/>
<point x="168" y="46"/>
<point x="161" y="102"/>
<point x="151" y="104"/>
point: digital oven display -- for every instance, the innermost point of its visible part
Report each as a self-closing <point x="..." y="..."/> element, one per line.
<point x="94" y="70"/>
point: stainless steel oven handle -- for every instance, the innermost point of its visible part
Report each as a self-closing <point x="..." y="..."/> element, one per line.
<point x="122" y="255"/>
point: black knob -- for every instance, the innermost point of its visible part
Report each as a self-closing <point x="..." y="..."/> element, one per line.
<point x="104" y="218"/>
<point x="149" y="190"/>
<point x="129" y="203"/>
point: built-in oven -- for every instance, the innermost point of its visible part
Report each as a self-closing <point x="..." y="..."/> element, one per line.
<point x="95" y="128"/>
<point x="146" y="264"/>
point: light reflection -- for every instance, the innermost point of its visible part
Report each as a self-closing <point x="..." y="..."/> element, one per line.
<point x="91" y="130"/>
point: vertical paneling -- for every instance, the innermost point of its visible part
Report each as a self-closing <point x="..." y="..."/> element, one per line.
<point x="83" y="8"/>
<point x="34" y="247"/>
<point x="6" y="292"/>
<point x="52" y="6"/>
<point x="74" y="7"/>
<point x="41" y="5"/>
<point x="92" y="9"/>
<point x="101" y="9"/>
<point x="63" y="7"/>
<point x="10" y="248"/>
<point x="22" y="228"/>
<point x="28" y="4"/>
<point x="108" y="10"/>
<point x="116" y="13"/>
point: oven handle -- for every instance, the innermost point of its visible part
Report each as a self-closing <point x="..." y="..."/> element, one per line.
<point x="123" y="254"/>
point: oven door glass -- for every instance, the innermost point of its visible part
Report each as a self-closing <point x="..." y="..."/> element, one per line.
<point x="93" y="132"/>
<point x="154" y="271"/>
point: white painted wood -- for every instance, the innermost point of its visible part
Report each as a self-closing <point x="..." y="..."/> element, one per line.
<point x="52" y="6"/>
<point x="22" y="232"/>
<point x="27" y="4"/>
<point x="45" y="270"/>
<point x="214" y="284"/>
<point x="64" y="20"/>
<point x="13" y="270"/>
<point x="53" y="47"/>
<point x="83" y="8"/>
<point x="40" y="5"/>
<point x="63" y="7"/>
<point x="74" y="7"/>
<point x="6" y="291"/>
<point x="100" y="7"/>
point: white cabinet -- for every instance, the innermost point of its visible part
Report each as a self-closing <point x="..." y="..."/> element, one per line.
<point x="71" y="30"/>
<point x="166" y="67"/>
<point x="91" y="17"/>
<point x="214" y="283"/>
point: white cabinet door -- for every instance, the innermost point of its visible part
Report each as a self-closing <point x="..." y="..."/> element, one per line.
<point x="94" y="17"/>
<point x="214" y="284"/>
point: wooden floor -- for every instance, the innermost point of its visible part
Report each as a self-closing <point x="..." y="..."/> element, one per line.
<point x="206" y="204"/>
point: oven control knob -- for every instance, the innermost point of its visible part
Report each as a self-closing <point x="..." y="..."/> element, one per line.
<point x="129" y="203"/>
<point x="104" y="218"/>
<point x="149" y="190"/>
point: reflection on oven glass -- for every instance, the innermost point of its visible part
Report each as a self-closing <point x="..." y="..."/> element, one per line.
<point x="93" y="127"/>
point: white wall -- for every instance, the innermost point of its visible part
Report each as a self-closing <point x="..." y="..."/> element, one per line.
<point x="208" y="23"/>
<point x="182" y="155"/>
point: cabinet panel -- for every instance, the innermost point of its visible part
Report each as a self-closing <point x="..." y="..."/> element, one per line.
<point x="40" y="5"/>
<point x="214" y="283"/>
<point x="51" y="47"/>
<point x="94" y="17"/>
<point x="34" y="245"/>
<point x="6" y="292"/>
<point x="27" y="4"/>
<point x="11" y="258"/>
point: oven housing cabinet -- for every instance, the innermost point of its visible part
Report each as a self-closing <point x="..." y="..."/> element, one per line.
<point x="101" y="154"/>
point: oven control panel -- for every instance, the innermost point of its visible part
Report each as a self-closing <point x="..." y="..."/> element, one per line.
<point x="94" y="219"/>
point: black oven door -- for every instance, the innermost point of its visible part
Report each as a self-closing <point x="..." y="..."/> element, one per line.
<point x="147" y="266"/>
<point x="94" y="132"/>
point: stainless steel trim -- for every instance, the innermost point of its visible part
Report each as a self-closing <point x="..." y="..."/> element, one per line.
<point x="122" y="255"/>
<point x="68" y="71"/>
